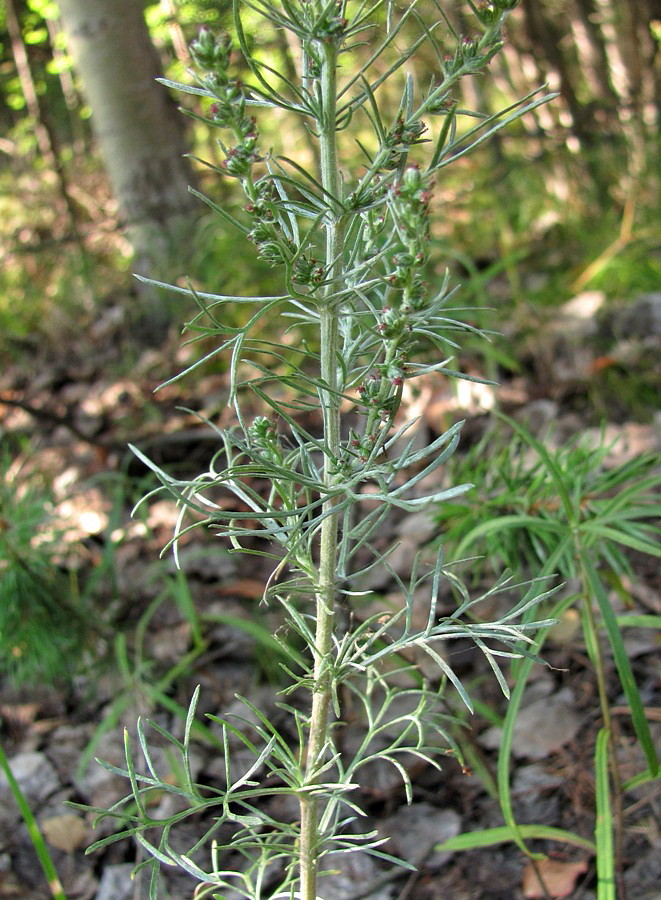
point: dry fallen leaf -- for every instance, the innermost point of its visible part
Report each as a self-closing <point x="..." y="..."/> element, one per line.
<point x="559" y="878"/>
<point x="66" y="832"/>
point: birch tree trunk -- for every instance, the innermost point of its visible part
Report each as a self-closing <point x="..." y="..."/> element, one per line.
<point x="140" y="134"/>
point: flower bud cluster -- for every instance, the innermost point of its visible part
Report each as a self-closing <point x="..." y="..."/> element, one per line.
<point x="370" y="388"/>
<point x="264" y="438"/>
<point x="229" y="111"/>
<point x="405" y="133"/>
<point x="441" y="105"/>
<point x="381" y="394"/>
<point x="307" y="270"/>
<point x="367" y="196"/>
<point x="375" y="390"/>
<point x="212" y="55"/>
<point x="409" y="207"/>
<point x="473" y="52"/>
<point x="368" y="201"/>
<point x="401" y="136"/>
<point x="470" y="55"/>
<point x="468" y="49"/>
<point x="362" y="445"/>
<point x="327" y="25"/>
<point x="381" y="390"/>
<point x="266" y="232"/>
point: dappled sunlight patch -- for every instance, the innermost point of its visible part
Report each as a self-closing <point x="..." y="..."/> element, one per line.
<point x="102" y="397"/>
<point x="81" y="515"/>
<point x="163" y="514"/>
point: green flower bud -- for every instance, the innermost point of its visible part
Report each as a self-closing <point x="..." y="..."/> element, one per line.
<point x="413" y="132"/>
<point x="441" y="105"/>
<point x="392" y="324"/>
<point x="272" y="253"/>
<point x="210" y="53"/>
<point x="469" y="49"/>
<point x="216" y="83"/>
<point x="264" y="437"/>
<point x="396" y="375"/>
<point x="239" y="160"/>
<point x="261" y="233"/>
<point x="412" y="179"/>
<point x="487" y="13"/>
<point x="266" y="190"/>
<point x="261" y="429"/>
<point x="277" y="252"/>
<point x="306" y="270"/>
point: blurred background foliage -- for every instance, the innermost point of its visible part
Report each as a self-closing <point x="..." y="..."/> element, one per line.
<point x="565" y="200"/>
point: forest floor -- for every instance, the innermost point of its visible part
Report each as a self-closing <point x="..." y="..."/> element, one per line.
<point x="149" y="649"/>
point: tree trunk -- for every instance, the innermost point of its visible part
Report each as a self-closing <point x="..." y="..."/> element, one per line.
<point x="590" y="19"/>
<point x="141" y="137"/>
<point x="44" y="134"/>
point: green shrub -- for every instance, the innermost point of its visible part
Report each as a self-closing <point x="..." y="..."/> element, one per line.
<point x="350" y="243"/>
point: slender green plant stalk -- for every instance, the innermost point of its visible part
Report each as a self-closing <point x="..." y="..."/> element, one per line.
<point x="328" y="553"/>
<point x="37" y="838"/>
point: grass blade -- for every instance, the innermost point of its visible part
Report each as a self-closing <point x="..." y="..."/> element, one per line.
<point x="638" y="717"/>
<point x="34" y="831"/>
<point x="490" y="837"/>
<point x="503" y="776"/>
<point x="603" y="831"/>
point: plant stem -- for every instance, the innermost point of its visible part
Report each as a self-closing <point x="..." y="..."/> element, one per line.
<point x="596" y="655"/>
<point x="37" y="838"/>
<point x="326" y="587"/>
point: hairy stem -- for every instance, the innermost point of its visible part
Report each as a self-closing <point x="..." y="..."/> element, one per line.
<point x="326" y="587"/>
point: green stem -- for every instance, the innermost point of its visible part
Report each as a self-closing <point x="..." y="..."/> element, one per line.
<point x="596" y="654"/>
<point x="38" y="842"/>
<point x="326" y="587"/>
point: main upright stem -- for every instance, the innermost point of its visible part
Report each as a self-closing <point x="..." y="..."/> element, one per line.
<point x="328" y="553"/>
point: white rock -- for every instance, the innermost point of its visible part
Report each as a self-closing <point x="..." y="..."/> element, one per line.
<point x="37" y="780"/>
<point x="351" y="872"/>
<point x="116" y="883"/>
